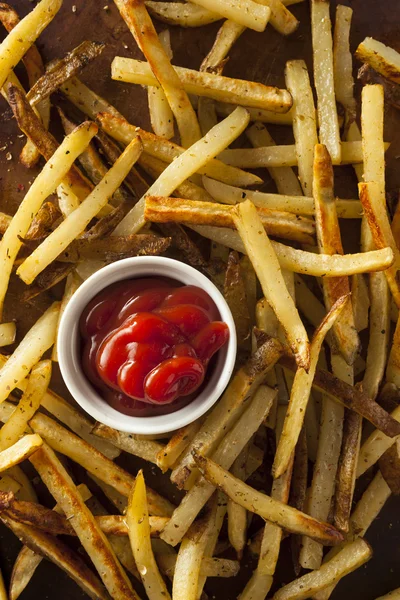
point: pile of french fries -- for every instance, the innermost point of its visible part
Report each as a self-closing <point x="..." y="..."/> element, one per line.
<point x="303" y="385"/>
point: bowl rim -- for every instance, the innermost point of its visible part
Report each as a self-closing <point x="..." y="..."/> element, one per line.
<point x="69" y="356"/>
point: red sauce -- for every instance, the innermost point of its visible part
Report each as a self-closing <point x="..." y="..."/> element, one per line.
<point x="147" y="344"/>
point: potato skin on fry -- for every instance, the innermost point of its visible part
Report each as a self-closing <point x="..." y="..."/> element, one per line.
<point x="389" y="465"/>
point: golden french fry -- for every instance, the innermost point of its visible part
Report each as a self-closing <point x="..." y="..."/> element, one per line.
<point x="188" y="15"/>
<point x="38" y="339"/>
<point x="382" y="58"/>
<point x="146" y="449"/>
<point x="161" y="115"/>
<point x="266" y="265"/>
<point x="137" y="517"/>
<point x="343" y="63"/>
<point x="19" y="451"/>
<point x="170" y="453"/>
<point x="246" y="12"/>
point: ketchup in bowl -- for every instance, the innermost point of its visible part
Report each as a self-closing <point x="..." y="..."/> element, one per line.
<point x="147" y="344"/>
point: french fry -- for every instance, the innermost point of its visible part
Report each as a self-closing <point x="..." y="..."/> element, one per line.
<point x="64" y="69"/>
<point x="191" y="552"/>
<point x="136" y="17"/>
<point x="86" y="100"/>
<point x="302" y="205"/>
<point x="304" y="120"/>
<point x="343" y="63"/>
<point x="78" y="220"/>
<point x="7" y="333"/>
<point x="298" y="491"/>
<point x="381" y="58"/>
<point x="161" y="115"/>
<point x="37" y="544"/>
<point x="137" y="517"/>
<point x="237" y="515"/>
<point x="389" y="467"/>
<point x="230" y="407"/>
<point x="146" y="449"/>
<point x="16" y="425"/>
<point x="329" y="133"/>
<point x="217" y="87"/>
<point x="69" y="444"/>
<point x="71" y="285"/>
<point x="375" y="212"/>
<point x="188" y="15"/>
<point x="307" y="263"/>
<point x="185" y="165"/>
<point x="247" y="13"/>
<point x="329" y="242"/>
<point x="257" y="114"/>
<point x="361" y="302"/>
<point x="8" y="484"/>
<point x="227" y="452"/>
<point x="351" y="557"/>
<point x="284" y="225"/>
<point x="92" y="539"/>
<point x="210" y="566"/>
<point x="26" y="491"/>
<point x="267" y="267"/>
<point x="117" y="499"/>
<point x="393" y="363"/>
<point x="19" y="451"/>
<point x="24" y="34"/>
<point x="284" y="156"/>
<point x="235" y="295"/>
<point x="170" y="453"/>
<point x="51" y="175"/>
<point x="265" y="506"/>
<point x="261" y="580"/>
<point x="284" y="177"/>
<point x="38" y="339"/>
<point x="300" y="393"/>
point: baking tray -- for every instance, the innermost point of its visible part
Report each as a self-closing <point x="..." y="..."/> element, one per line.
<point x="257" y="56"/>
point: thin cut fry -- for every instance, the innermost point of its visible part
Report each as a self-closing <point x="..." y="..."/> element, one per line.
<point x="185" y="165"/>
<point x="79" y="516"/>
<point x="7" y="333"/>
<point x="146" y="449"/>
<point x="257" y="114"/>
<point x="45" y="183"/>
<point x="300" y="393"/>
<point x="170" y="453"/>
<point x="302" y="205"/>
<point x="375" y="446"/>
<point x="161" y="115"/>
<point x="69" y="444"/>
<point x="137" y="517"/>
<point x="265" y="506"/>
<point x="266" y="265"/>
<point x="381" y="58"/>
<point x="217" y="87"/>
<point x="38" y="339"/>
<point x="343" y="63"/>
<point x="38" y="383"/>
<point x="135" y="15"/>
<point x="304" y="120"/>
<point x="351" y="557"/>
<point x="237" y="515"/>
<point x="19" y="451"/>
<point x="246" y="12"/>
<point x="23" y="35"/>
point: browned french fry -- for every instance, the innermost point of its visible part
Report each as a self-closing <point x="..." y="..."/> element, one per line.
<point x="170" y="453"/>
<point x="146" y="449"/>
<point x="389" y="465"/>
<point x="135" y="15"/>
<point x="382" y="58"/>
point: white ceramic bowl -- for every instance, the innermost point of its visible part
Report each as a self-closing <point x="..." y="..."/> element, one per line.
<point x="69" y="346"/>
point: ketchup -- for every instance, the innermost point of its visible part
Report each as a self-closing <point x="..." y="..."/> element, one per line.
<point x="147" y="344"/>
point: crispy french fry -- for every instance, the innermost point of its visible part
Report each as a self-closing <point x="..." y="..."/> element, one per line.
<point x="46" y="182"/>
<point x="24" y="34"/>
<point x="285" y="179"/>
<point x="266" y="265"/>
<point x="38" y="339"/>
<point x="139" y="533"/>
<point x="302" y="205"/>
<point x="246" y="12"/>
<point x="324" y="79"/>
<point x="343" y="63"/>
<point x="146" y="449"/>
<point x="161" y="115"/>
<point x="329" y="242"/>
<point x="159" y="209"/>
<point x="136" y="17"/>
<point x="170" y="453"/>
<point x="79" y="516"/>
<point x="78" y="220"/>
<point x="382" y="58"/>
<point x="244" y="383"/>
<point x="265" y="506"/>
<point x="227" y="452"/>
<point x="300" y="393"/>
<point x="62" y="440"/>
<point x="7" y="333"/>
<point x="284" y="156"/>
<point x="185" y="165"/>
<point x="307" y="263"/>
<point x="188" y="15"/>
<point x="19" y="451"/>
<point x="16" y="425"/>
<point x="304" y="120"/>
<point x="351" y="557"/>
<point x="37" y="544"/>
<point x="217" y="87"/>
